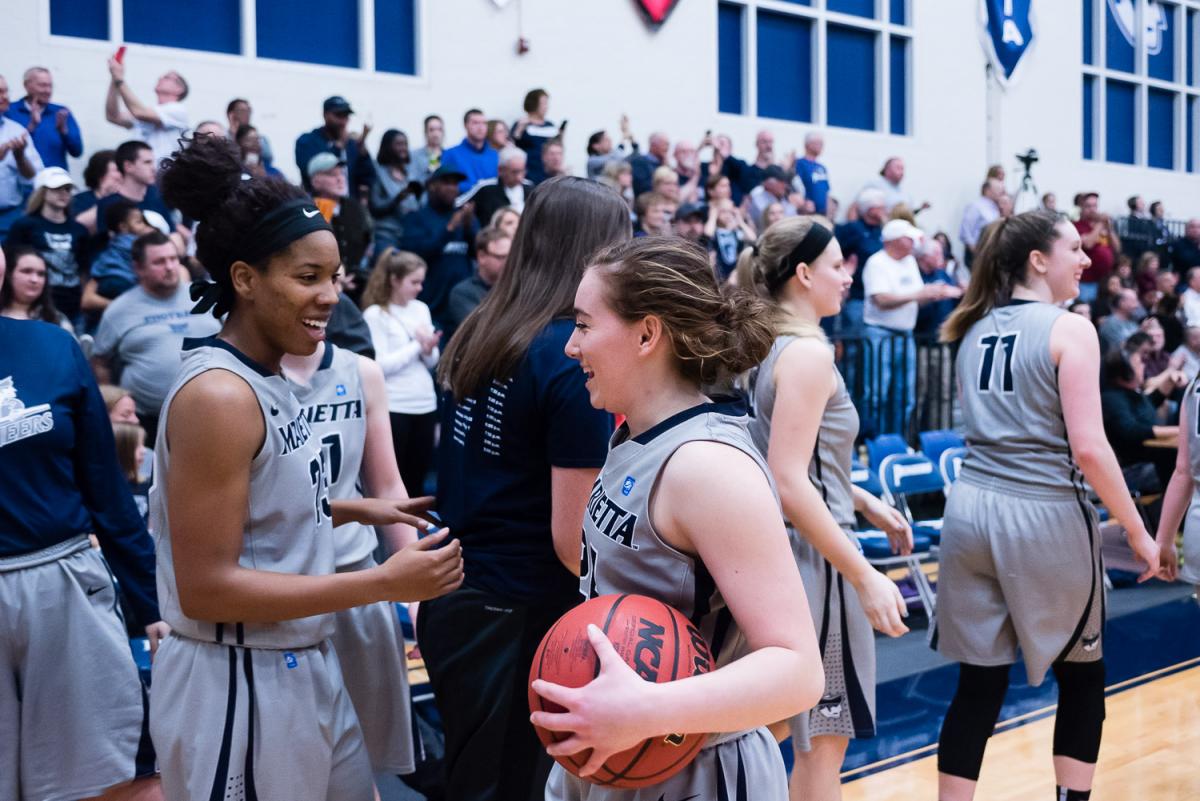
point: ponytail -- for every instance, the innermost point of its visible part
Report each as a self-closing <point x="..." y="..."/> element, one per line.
<point x="758" y="270"/>
<point x="1001" y="263"/>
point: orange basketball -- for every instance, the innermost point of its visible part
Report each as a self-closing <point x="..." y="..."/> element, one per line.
<point x="659" y="643"/>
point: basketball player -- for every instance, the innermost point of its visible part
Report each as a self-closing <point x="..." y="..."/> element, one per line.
<point x="683" y="511"/>
<point x="345" y="402"/>
<point x="1180" y="497"/>
<point x="1020" y="555"/>
<point x="806" y="424"/>
<point x="248" y="699"/>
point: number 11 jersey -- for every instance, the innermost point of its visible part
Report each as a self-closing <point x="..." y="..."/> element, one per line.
<point x="1012" y="410"/>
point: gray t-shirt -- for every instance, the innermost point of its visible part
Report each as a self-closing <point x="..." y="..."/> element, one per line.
<point x="144" y="335"/>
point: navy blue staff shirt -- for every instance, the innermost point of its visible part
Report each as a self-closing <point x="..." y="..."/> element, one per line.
<point x="494" y="463"/>
<point x="58" y="462"/>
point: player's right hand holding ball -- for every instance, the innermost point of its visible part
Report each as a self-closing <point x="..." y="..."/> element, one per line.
<point x="423" y="569"/>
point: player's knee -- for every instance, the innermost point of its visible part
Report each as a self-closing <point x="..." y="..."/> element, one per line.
<point x="1080" y="719"/>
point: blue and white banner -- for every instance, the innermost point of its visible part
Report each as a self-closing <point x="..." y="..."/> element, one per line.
<point x="1007" y="27"/>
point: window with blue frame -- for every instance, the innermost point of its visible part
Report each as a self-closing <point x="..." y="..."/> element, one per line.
<point x="311" y="31"/>
<point x="1141" y="82"/>
<point x="844" y="63"/>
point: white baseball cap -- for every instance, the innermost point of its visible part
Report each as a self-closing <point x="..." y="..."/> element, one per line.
<point x="53" y="178"/>
<point x="898" y="229"/>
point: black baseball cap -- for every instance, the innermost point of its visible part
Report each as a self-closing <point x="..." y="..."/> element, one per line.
<point x="337" y="103"/>
<point x="776" y="172"/>
<point x="445" y="173"/>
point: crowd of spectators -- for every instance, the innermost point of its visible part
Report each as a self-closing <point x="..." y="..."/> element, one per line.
<point x="437" y="217"/>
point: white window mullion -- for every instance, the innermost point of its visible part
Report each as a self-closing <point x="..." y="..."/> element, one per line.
<point x="751" y="49"/>
<point x="250" y="28"/>
<point x="820" y="73"/>
<point x="116" y="20"/>
<point x="366" y="35"/>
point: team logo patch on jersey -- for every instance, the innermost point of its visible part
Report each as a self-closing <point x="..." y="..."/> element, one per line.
<point x="627" y="487"/>
<point x="18" y="421"/>
<point x="340" y="389"/>
<point x="290" y="660"/>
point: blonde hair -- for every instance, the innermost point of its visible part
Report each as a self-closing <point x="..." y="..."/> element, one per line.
<point x="34" y="204"/>
<point x="755" y="265"/>
<point x="128" y="438"/>
<point x="392" y="263"/>
<point x="713" y="335"/>
<point x="112" y="395"/>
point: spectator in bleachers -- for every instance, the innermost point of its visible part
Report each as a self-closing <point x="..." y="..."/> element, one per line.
<point x="491" y="254"/>
<point x="509" y="188"/>
<point x="506" y="219"/>
<point x="553" y="160"/>
<point x="142" y="331"/>
<point x="1081" y="308"/>
<point x="688" y="172"/>
<point x="1187" y="354"/>
<point x="1131" y="418"/>
<point x="112" y="270"/>
<point x="727" y="231"/>
<point x="618" y="176"/>
<point x="601" y="151"/>
<point x="888" y="182"/>
<point x="159" y="125"/>
<point x="1191" y="297"/>
<point x="745" y="176"/>
<point x="1166" y="311"/>
<point x="62" y="242"/>
<point x="982" y="212"/>
<point x="1140" y="230"/>
<point x="775" y="188"/>
<point x="428" y="158"/>
<point x="655" y="213"/>
<point x="1107" y="297"/>
<point x="345" y="215"/>
<point x="932" y="261"/>
<point x="101" y="177"/>
<point x="333" y="136"/>
<point x="1100" y="243"/>
<point x="238" y="114"/>
<point x="135" y="161"/>
<point x="472" y="157"/>
<point x="813" y="173"/>
<point x="689" y="223"/>
<point x="394" y="193"/>
<point x="19" y="163"/>
<point x="498" y="135"/>
<point x="254" y="159"/>
<point x="1050" y="201"/>
<point x="1162" y="233"/>
<point x="860" y="239"/>
<point x="1185" y="252"/>
<point x="644" y="164"/>
<point x="1145" y="275"/>
<point x="25" y="291"/>
<point x="441" y="235"/>
<point x="666" y="183"/>
<point x="1156" y="359"/>
<point x="52" y="127"/>
<point x="1120" y="323"/>
<point x="533" y="131"/>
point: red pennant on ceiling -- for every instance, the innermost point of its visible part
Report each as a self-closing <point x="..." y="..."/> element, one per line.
<point x="657" y="11"/>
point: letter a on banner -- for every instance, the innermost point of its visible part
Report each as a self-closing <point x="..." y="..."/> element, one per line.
<point x="1007" y="30"/>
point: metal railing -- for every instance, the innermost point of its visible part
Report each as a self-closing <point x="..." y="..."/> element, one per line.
<point x="899" y="384"/>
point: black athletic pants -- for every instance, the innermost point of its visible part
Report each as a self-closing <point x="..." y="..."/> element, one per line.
<point x="412" y="439"/>
<point x="478" y="648"/>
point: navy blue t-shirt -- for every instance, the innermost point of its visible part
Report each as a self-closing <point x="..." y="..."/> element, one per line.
<point x="494" y="463"/>
<point x="861" y="240"/>
<point x="58" y="462"/>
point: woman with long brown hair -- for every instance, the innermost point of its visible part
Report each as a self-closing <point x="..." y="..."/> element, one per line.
<point x="520" y="449"/>
<point x="1020" y="550"/>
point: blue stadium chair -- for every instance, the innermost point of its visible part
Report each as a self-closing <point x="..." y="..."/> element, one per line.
<point x="950" y="463"/>
<point x="934" y="443"/>
<point x="905" y="475"/>
<point x="864" y="478"/>
<point x="883" y="446"/>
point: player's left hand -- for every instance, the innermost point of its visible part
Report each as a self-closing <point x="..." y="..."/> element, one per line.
<point x="156" y="633"/>
<point x="888" y="519"/>
<point x="1168" y="560"/>
<point x="386" y="511"/>
<point x="606" y="715"/>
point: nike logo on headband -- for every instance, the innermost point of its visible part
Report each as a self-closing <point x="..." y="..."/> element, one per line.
<point x="311" y="214"/>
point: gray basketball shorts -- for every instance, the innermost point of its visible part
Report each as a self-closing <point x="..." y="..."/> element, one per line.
<point x="745" y="767"/>
<point x="370" y="650"/>
<point x="847" y="642"/>
<point x="72" y="707"/>
<point x="234" y="723"/>
<point x="1019" y="572"/>
<point x="1189" y="571"/>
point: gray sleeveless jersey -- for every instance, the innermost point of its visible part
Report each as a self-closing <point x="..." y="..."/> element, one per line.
<point x="288" y="526"/>
<point x="1191" y="402"/>
<point x="1015" y="432"/>
<point x="336" y="411"/>
<point x="622" y="553"/>
<point x="829" y="468"/>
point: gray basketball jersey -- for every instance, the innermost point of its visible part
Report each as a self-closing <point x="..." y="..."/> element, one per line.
<point x="1008" y="382"/>
<point x="622" y="552"/>
<point x="288" y="528"/>
<point x="829" y="467"/>
<point x="336" y="410"/>
<point x="1191" y="402"/>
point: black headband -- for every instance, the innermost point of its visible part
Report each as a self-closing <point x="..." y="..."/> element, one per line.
<point x="275" y="231"/>
<point x="807" y="251"/>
